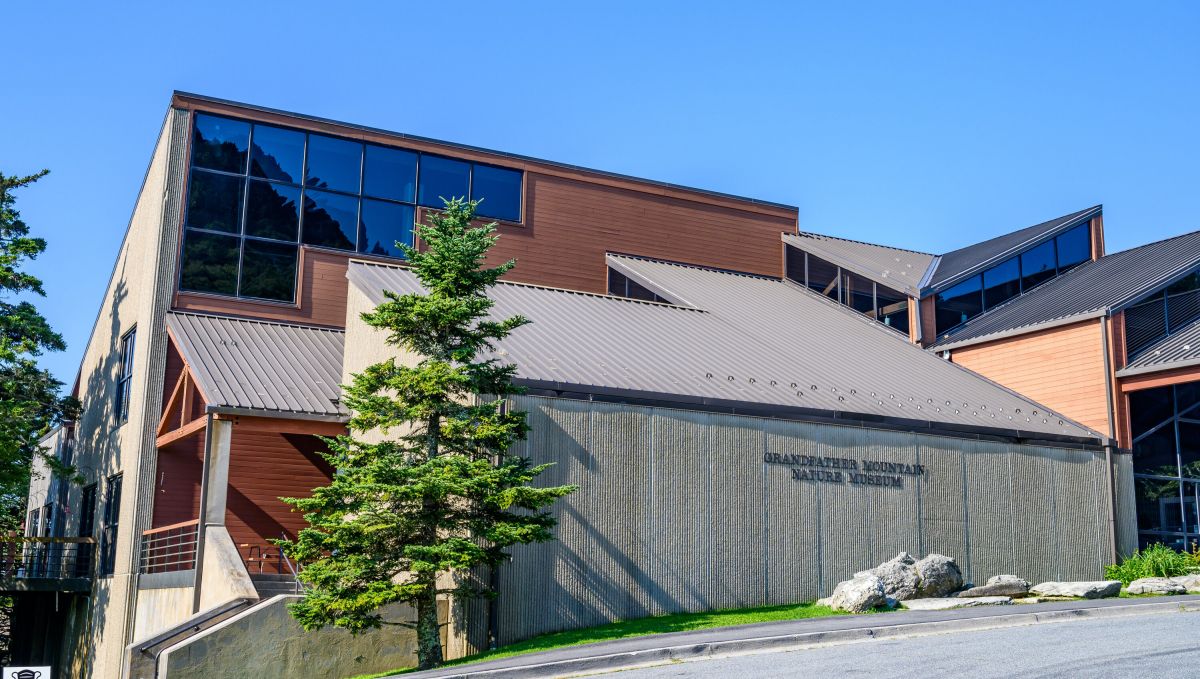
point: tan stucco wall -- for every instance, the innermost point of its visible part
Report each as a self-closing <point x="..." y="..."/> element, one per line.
<point x="161" y="609"/>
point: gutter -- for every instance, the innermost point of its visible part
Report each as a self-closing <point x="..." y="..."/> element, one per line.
<point x="1158" y="367"/>
<point x="1022" y="330"/>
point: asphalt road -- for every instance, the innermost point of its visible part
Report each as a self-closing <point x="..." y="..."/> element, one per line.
<point x="1159" y="646"/>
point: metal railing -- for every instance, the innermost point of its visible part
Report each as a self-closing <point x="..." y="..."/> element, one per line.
<point x="26" y="558"/>
<point x="263" y="559"/>
<point x="170" y="548"/>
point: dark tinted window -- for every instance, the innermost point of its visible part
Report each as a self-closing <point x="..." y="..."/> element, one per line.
<point x="220" y="143"/>
<point x="1074" y="247"/>
<point x="1149" y="408"/>
<point x="330" y="219"/>
<point x="823" y="277"/>
<point x="794" y="264"/>
<point x="272" y="211"/>
<point x="859" y="293"/>
<point x="1183" y="302"/>
<point x="108" y="531"/>
<point x="276" y="153"/>
<point x="499" y="191"/>
<point x="390" y="173"/>
<point x="333" y="163"/>
<point x="1001" y="282"/>
<point x="269" y="271"/>
<point x="1189" y="449"/>
<point x="616" y="283"/>
<point x="382" y="224"/>
<point x="442" y="178"/>
<point x="1037" y="265"/>
<point x="1144" y="323"/>
<point x="215" y="202"/>
<point x="893" y="308"/>
<point x="210" y="263"/>
<point x="958" y="304"/>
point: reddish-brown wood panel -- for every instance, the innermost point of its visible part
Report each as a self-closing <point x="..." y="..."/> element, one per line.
<point x="1097" y="236"/>
<point x="1062" y="368"/>
<point x="177" y="481"/>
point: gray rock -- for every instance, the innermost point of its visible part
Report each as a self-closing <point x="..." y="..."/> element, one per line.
<point x="1190" y="582"/>
<point x="999" y="585"/>
<point x="947" y="603"/>
<point x="1155" y="586"/>
<point x="938" y="576"/>
<point x="1101" y="589"/>
<point x="899" y="577"/>
<point x="858" y="595"/>
<point x="827" y="601"/>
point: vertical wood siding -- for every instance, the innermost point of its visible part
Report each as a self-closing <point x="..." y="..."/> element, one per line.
<point x="264" y="467"/>
<point x="677" y="511"/>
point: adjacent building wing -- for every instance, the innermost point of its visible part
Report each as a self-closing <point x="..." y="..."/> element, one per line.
<point x="900" y="269"/>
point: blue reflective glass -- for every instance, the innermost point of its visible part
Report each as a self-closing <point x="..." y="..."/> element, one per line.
<point x="209" y="263"/>
<point x="1074" y="247"/>
<point x="383" y="224"/>
<point x="1001" y="282"/>
<point x="269" y="270"/>
<point x="276" y="153"/>
<point x="333" y="163"/>
<point x="215" y="202"/>
<point x="390" y="173"/>
<point x="499" y="189"/>
<point x="220" y="143"/>
<point x="1037" y="265"/>
<point x="443" y="178"/>
<point x="958" y="304"/>
<point x="330" y="219"/>
<point x="272" y="211"/>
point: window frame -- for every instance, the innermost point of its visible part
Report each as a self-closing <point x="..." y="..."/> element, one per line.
<point x="110" y="525"/>
<point x="125" y="360"/>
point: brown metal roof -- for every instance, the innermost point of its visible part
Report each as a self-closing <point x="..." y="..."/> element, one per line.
<point x="742" y="339"/>
<point x="273" y="368"/>
<point x="898" y="269"/>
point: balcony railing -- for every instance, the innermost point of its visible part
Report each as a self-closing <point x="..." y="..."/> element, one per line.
<point x="170" y="548"/>
<point x="46" y="563"/>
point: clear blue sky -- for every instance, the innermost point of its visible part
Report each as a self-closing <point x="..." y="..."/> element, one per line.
<point x="923" y="125"/>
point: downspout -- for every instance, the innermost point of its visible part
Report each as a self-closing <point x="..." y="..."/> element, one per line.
<point x="198" y="571"/>
<point x="1112" y="436"/>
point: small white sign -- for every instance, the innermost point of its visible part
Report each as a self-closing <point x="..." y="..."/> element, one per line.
<point x="26" y="673"/>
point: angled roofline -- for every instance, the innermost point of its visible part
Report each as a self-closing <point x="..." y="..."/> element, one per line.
<point x="980" y="266"/>
<point x="814" y="246"/>
<point x="950" y="344"/>
<point x="187" y="99"/>
<point x="1158" y="367"/>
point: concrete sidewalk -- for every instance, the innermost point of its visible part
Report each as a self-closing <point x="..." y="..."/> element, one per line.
<point x="791" y="634"/>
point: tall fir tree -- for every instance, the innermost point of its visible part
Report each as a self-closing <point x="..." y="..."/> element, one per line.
<point x="424" y="490"/>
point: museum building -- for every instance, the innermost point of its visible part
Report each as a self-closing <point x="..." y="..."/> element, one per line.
<point x="752" y="413"/>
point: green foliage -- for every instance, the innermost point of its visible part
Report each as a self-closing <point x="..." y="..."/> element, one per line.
<point x="424" y="491"/>
<point x="1155" y="561"/>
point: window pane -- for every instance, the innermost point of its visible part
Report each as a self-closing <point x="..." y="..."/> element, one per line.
<point x="958" y="304"/>
<point x="1183" y="301"/>
<point x="500" y="191"/>
<point x="1144" y="323"/>
<point x="794" y="264"/>
<point x="893" y="308"/>
<point x="220" y="143"/>
<point x="1037" y="265"/>
<point x="390" y="173"/>
<point x="616" y="283"/>
<point x="822" y="277"/>
<point x="1001" y="282"/>
<point x="1158" y="506"/>
<point x="1149" y="408"/>
<point x="215" y="202"/>
<point x="638" y="291"/>
<point x="1189" y="449"/>
<point x="858" y="293"/>
<point x="272" y="211"/>
<point x="382" y="225"/>
<point x="333" y="163"/>
<point x="210" y="263"/>
<point x="442" y="178"/>
<point x="330" y="220"/>
<point x="1074" y="247"/>
<point x="1188" y="283"/>
<point x="277" y="154"/>
<point x="269" y="271"/>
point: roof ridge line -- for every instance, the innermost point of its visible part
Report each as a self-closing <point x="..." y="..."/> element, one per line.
<point x="685" y="265"/>
<point x="861" y="242"/>
<point x="1146" y="245"/>
<point x="261" y="321"/>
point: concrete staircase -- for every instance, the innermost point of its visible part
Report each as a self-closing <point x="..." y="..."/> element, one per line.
<point x="270" y="584"/>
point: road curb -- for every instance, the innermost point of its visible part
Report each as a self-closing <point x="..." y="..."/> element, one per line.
<point x="686" y="652"/>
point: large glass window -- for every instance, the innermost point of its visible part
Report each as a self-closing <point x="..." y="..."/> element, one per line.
<point x="893" y="308"/>
<point x="858" y="293"/>
<point x="108" y="528"/>
<point x="1001" y="282"/>
<point x="1166" y="462"/>
<point x="1074" y="247"/>
<point x="955" y="305"/>
<point x="619" y="285"/>
<point x="257" y="192"/>
<point x="1038" y="265"/>
<point x="823" y="277"/>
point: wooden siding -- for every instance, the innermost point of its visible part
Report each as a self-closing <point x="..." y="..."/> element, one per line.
<point x="177" y="483"/>
<point x="1062" y="368"/>
<point x="928" y="321"/>
<point x="1097" y="236"/>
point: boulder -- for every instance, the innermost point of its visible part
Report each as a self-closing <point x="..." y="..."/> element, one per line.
<point x="999" y="585"/>
<point x="947" y="603"/>
<point x="1155" y="586"/>
<point x="858" y="595"/>
<point x="1190" y="582"/>
<point x="1101" y="589"/>
<point x="899" y="577"/>
<point x="938" y="576"/>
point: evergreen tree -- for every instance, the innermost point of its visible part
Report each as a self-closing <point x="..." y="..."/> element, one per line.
<point x="424" y="491"/>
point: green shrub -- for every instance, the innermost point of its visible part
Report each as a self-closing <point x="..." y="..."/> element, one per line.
<point x="1155" y="561"/>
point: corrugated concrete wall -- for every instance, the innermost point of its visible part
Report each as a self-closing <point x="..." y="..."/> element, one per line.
<point x="677" y="511"/>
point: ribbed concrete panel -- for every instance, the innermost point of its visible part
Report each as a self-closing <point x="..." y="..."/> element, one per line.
<point x="901" y="530"/>
<point x="736" y="521"/>
<point x="943" y="514"/>
<point x="1035" y="535"/>
<point x="679" y="564"/>
<point x="792" y="539"/>
<point x="990" y="524"/>
<point x="1125" y="491"/>
<point x="1079" y="513"/>
<point x="846" y="520"/>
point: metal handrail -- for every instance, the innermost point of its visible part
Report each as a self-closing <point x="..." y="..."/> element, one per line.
<point x="292" y="567"/>
<point x="169" y="548"/>
<point x="42" y="558"/>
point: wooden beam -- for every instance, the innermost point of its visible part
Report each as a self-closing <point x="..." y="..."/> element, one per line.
<point x="182" y="432"/>
<point x="166" y="414"/>
<point x="185" y="409"/>
<point x="283" y="425"/>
